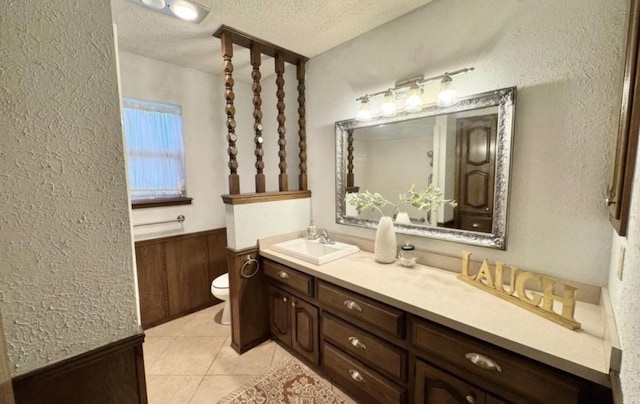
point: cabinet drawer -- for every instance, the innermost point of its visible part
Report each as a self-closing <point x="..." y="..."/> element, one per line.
<point x="371" y="312"/>
<point x="365" y="347"/>
<point x="357" y="377"/>
<point x="527" y="378"/>
<point x="294" y="279"/>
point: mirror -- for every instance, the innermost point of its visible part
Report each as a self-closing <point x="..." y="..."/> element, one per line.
<point x="464" y="150"/>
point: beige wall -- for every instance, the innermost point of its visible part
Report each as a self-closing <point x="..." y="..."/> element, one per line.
<point x="66" y="264"/>
<point x="564" y="57"/>
<point x="201" y="97"/>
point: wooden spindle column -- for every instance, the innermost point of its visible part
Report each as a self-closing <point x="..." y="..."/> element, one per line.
<point x="283" y="179"/>
<point x="257" y="116"/>
<point x="350" y="177"/>
<point x="302" y="124"/>
<point x="232" y="150"/>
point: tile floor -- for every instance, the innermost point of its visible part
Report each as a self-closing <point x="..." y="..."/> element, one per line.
<point x="190" y="361"/>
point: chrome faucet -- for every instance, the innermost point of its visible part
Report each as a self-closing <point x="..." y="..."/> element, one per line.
<point x="323" y="236"/>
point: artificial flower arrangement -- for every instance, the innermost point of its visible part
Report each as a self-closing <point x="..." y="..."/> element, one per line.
<point x="427" y="200"/>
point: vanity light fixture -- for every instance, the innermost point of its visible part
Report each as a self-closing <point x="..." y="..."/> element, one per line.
<point x="448" y="94"/>
<point x="364" y="113"/>
<point x="184" y="9"/>
<point x="412" y="90"/>
<point x="413" y="103"/>
<point x="388" y="107"/>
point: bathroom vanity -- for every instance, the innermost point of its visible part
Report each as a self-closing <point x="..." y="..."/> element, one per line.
<point x="389" y="334"/>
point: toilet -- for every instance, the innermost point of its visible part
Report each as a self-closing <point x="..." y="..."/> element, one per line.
<point x="220" y="290"/>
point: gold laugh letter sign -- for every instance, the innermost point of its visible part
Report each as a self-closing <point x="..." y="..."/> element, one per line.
<point x="516" y="293"/>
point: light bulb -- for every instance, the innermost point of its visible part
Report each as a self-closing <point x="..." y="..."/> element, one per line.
<point x="184" y="10"/>
<point x="447" y="95"/>
<point x="364" y="113"/>
<point x="388" y="107"/>
<point x="413" y="103"/>
<point x="154" y="4"/>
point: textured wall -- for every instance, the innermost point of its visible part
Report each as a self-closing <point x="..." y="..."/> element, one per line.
<point x="201" y="97"/>
<point x="66" y="263"/>
<point x="565" y="58"/>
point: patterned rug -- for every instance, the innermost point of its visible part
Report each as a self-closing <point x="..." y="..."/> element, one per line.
<point x="289" y="382"/>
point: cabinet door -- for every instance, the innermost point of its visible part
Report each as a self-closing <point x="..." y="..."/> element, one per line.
<point x="280" y="314"/>
<point x="304" y="330"/>
<point x="433" y="386"/>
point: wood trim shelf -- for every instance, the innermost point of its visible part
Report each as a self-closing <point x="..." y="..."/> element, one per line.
<point x="243" y="199"/>
<point x="156" y="203"/>
<point x="245" y="40"/>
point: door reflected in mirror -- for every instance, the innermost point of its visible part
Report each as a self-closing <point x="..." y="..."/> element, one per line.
<point x="464" y="150"/>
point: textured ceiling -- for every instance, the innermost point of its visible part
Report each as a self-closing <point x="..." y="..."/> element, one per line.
<point x="308" y="27"/>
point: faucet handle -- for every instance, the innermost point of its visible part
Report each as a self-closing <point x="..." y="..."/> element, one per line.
<point x="312" y="233"/>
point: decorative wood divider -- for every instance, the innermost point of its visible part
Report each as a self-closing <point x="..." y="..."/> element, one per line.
<point x="257" y="48"/>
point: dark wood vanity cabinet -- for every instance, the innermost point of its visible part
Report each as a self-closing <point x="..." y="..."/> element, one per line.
<point x="293" y="320"/>
<point x="354" y="355"/>
<point x="433" y="386"/>
<point x="378" y="353"/>
<point x="295" y="323"/>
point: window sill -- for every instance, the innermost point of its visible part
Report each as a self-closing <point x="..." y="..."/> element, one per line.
<point x="156" y="203"/>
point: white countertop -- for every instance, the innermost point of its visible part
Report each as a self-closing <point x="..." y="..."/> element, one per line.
<point x="437" y="295"/>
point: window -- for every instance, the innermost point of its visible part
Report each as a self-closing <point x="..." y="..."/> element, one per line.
<point x="153" y="135"/>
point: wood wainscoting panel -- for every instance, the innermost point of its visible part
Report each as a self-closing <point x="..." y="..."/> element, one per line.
<point x="113" y="373"/>
<point x="152" y="282"/>
<point x="187" y="274"/>
<point x="175" y="274"/>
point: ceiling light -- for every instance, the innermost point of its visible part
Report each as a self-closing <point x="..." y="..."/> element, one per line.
<point x="184" y="10"/>
<point x="448" y="94"/>
<point x="155" y="4"/>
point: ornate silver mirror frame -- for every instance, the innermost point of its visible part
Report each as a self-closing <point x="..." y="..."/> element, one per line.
<point x="504" y="99"/>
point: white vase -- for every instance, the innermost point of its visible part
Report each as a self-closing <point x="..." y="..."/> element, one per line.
<point x="403" y="218"/>
<point x="384" y="249"/>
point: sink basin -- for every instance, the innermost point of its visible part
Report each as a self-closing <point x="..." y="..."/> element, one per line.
<point x="314" y="251"/>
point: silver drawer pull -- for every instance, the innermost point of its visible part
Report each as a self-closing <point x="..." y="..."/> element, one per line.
<point x="284" y="299"/>
<point x="351" y="305"/>
<point x="355" y="375"/>
<point x="483" y="361"/>
<point x="470" y="399"/>
<point x="357" y="343"/>
<point x="283" y="275"/>
<point x="475" y="225"/>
